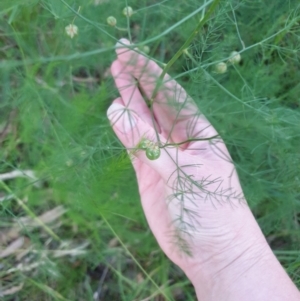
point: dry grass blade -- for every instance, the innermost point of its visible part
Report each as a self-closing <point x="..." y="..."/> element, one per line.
<point x="18" y="173"/>
<point x="25" y="268"/>
<point x="12" y="290"/>
<point x="46" y="218"/>
<point x="12" y="247"/>
<point x="23" y="256"/>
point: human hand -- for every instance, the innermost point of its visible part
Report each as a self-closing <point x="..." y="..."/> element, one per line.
<point x="190" y="193"/>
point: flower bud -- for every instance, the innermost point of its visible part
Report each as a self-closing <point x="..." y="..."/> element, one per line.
<point x="235" y="57"/>
<point x="221" y="68"/>
<point x="185" y="51"/>
<point x="146" y="49"/>
<point x="112" y="21"/>
<point x="127" y="11"/>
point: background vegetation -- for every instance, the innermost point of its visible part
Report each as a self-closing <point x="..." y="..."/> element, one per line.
<point x="71" y="224"/>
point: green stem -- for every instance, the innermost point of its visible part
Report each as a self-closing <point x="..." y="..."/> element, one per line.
<point x="190" y="140"/>
<point x="133" y="258"/>
<point x="176" y="57"/>
<point x="30" y="213"/>
<point x="121" y="29"/>
<point x="128" y="25"/>
<point x="183" y="47"/>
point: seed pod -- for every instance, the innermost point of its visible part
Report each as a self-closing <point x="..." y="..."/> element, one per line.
<point x="153" y="153"/>
<point x="112" y="21"/>
<point x="221" y="68"/>
<point x="235" y="57"/>
<point x="145" y="143"/>
<point x="128" y="11"/>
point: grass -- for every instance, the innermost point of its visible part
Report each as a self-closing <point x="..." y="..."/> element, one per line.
<point x="74" y="229"/>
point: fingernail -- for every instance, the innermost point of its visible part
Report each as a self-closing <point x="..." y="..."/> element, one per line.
<point x="124" y="52"/>
<point x="122" y="43"/>
<point x="121" y="118"/>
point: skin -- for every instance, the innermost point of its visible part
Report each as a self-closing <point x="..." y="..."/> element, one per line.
<point x="191" y="194"/>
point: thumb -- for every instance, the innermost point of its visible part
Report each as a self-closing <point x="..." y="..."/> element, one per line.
<point x="123" y="121"/>
<point x="132" y="130"/>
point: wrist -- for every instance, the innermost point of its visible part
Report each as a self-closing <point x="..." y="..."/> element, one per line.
<point x="219" y="247"/>
<point x="246" y="270"/>
<point x="222" y="275"/>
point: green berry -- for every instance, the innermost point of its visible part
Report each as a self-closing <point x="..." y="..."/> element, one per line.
<point x="153" y="153"/>
<point x="112" y="21"/>
<point x="144" y="144"/>
<point x="127" y="11"/>
<point x="221" y="68"/>
<point x="235" y="57"/>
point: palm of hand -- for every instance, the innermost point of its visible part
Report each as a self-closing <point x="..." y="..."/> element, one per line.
<point x="211" y="228"/>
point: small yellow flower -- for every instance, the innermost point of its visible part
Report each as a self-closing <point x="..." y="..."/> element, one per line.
<point x="71" y="30"/>
<point x="128" y="11"/>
